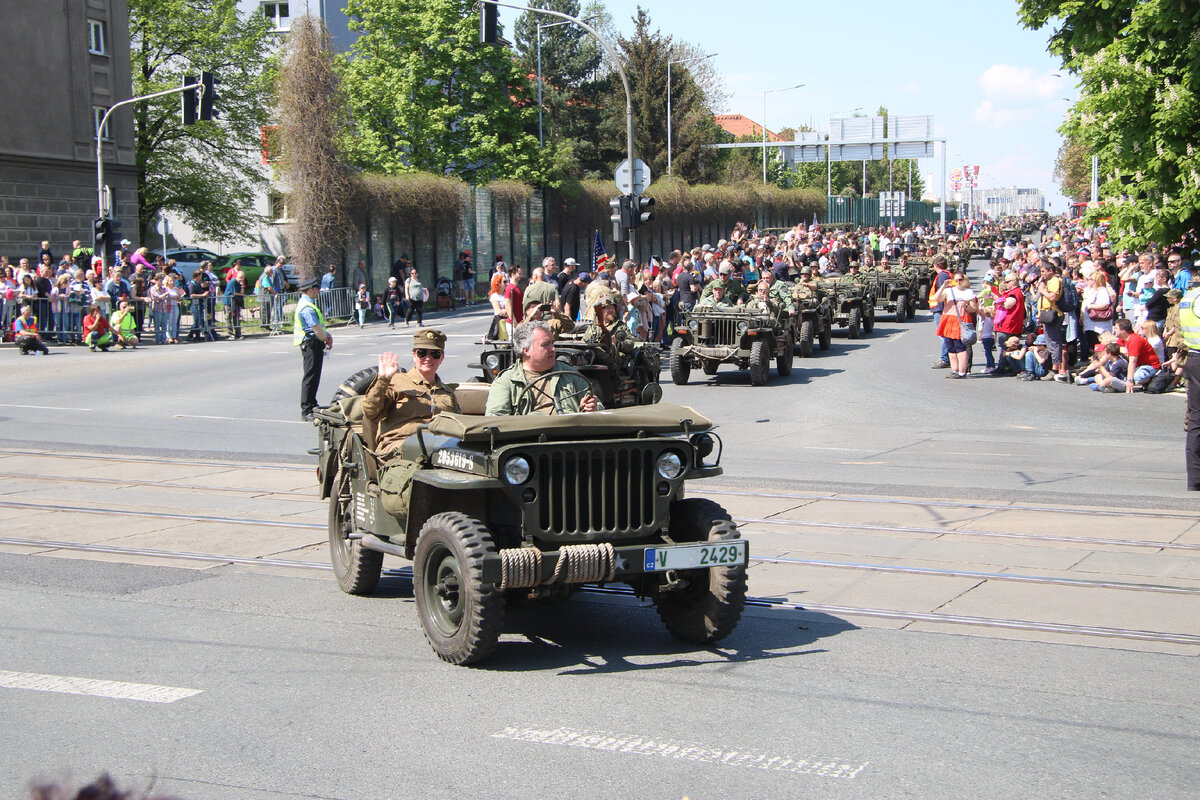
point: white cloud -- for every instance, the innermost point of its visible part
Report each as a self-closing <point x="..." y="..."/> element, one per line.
<point x="1004" y="81"/>
<point x="987" y="114"/>
<point x="913" y="88"/>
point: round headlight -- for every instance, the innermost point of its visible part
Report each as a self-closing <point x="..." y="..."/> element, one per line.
<point x="491" y="361"/>
<point x="891" y="287"/>
<point x="693" y="325"/>
<point x="841" y="298"/>
<point x="743" y="327"/>
<point x="516" y="470"/>
<point x="670" y="465"/>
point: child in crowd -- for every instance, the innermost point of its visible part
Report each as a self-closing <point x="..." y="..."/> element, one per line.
<point x="1106" y="363"/>
<point x="1036" y="360"/>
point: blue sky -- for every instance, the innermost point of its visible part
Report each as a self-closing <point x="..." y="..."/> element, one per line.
<point x="990" y="85"/>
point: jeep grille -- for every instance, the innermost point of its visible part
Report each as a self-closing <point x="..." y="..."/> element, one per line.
<point x="598" y="489"/>
<point x="715" y="332"/>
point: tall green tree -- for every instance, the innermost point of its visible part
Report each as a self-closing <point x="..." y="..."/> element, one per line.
<point x="424" y="95"/>
<point x="1073" y="170"/>
<point x="210" y="172"/>
<point x="1138" y="67"/>
<point x="574" y="79"/>
<point x="646" y="54"/>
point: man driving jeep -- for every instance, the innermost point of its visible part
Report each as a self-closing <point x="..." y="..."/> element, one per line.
<point x="537" y="384"/>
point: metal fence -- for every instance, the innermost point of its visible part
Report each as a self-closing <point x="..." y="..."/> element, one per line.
<point x="62" y="322"/>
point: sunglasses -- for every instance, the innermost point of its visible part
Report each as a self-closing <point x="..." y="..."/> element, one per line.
<point x="423" y="353"/>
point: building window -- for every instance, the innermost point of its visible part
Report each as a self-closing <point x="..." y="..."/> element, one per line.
<point x="277" y="210"/>
<point x="279" y="15"/>
<point x="96" y="38"/>
<point x="98" y="113"/>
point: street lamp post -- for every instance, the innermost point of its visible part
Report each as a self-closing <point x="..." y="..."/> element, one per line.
<point x="541" y="142"/>
<point x="669" y="63"/>
<point x="764" y="123"/>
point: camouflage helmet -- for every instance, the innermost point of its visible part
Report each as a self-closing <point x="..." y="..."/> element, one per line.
<point x="806" y="270"/>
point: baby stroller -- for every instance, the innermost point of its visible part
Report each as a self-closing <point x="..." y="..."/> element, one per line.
<point x="445" y="293"/>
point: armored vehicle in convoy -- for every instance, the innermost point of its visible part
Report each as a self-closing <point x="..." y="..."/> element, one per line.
<point x="748" y="337"/>
<point x="500" y="509"/>
<point x="814" y="317"/>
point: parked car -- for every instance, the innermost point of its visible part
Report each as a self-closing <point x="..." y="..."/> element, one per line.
<point x="187" y="258"/>
<point x="252" y="265"/>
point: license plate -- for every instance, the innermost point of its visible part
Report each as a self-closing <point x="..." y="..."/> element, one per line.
<point x="732" y="553"/>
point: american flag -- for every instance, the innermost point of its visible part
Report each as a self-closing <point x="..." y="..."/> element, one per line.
<point x="597" y="250"/>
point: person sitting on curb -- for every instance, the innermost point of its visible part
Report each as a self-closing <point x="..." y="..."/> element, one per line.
<point x="1143" y="361"/>
<point x="26" y="335"/>
<point x="124" y="326"/>
<point x="96" y="330"/>
<point x="1038" y="363"/>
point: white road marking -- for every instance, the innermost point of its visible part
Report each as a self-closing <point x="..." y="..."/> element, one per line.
<point x="243" y="419"/>
<point x="42" y="408"/>
<point x="689" y="751"/>
<point x="118" y="690"/>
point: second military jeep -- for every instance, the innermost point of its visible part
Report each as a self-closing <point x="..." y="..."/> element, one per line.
<point x="616" y="385"/>
<point x="746" y="336"/>
<point x="814" y="317"/>
<point x="853" y="305"/>
<point x="895" y="292"/>
<point x="491" y="509"/>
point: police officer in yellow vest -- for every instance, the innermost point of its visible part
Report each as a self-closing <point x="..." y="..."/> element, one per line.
<point x="1189" y="326"/>
<point x="310" y="335"/>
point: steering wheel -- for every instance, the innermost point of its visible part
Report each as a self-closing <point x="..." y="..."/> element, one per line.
<point x="543" y="378"/>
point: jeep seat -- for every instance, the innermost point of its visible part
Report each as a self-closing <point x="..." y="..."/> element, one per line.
<point x="472" y="397"/>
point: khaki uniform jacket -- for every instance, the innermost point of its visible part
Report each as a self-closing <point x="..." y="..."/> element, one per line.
<point x="403" y="404"/>
<point x="620" y="340"/>
<point x="568" y="389"/>
<point x="734" y="290"/>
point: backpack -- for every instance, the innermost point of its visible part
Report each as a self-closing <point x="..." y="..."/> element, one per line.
<point x="1159" y="383"/>
<point x="1068" y="303"/>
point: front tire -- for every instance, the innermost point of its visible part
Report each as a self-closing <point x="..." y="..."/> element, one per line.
<point x="825" y="336"/>
<point x="806" y="339"/>
<point x="681" y="368"/>
<point x="461" y="615"/>
<point x="760" y="363"/>
<point x="783" y="361"/>
<point x="356" y="568"/>
<point x="901" y="309"/>
<point x="709" y="608"/>
<point x="868" y="323"/>
<point x="852" y="329"/>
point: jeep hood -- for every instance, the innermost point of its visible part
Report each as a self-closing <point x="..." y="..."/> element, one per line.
<point x="660" y="418"/>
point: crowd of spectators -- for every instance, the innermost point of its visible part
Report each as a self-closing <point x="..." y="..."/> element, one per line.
<point x="74" y="300"/>
<point x="1071" y="310"/>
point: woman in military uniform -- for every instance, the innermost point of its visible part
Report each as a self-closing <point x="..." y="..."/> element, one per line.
<point x="402" y="401"/>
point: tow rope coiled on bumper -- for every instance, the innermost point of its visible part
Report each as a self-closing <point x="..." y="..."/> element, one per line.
<point x="521" y="567"/>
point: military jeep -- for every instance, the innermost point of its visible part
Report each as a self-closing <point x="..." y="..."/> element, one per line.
<point x="814" y="317"/>
<point x="853" y="305"/>
<point x="895" y="292"/>
<point x="746" y="336"/>
<point x="616" y="385"/>
<point x="501" y="509"/>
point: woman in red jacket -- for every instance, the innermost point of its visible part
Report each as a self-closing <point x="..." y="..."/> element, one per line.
<point x="1010" y="312"/>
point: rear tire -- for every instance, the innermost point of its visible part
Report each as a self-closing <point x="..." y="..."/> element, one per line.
<point x="783" y="361"/>
<point x="461" y="615"/>
<point x="825" y="336"/>
<point x="356" y="568"/>
<point x="806" y="339"/>
<point x="681" y="368"/>
<point x="868" y="321"/>
<point x="760" y="363"/>
<point x="709" y="608"/>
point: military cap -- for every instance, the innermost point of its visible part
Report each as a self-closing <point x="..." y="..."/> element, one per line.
<point x="607" y="300"/>
<point x="309" y="283"/>
<point x="429" y="337"/>
<point x="806" y="270"/>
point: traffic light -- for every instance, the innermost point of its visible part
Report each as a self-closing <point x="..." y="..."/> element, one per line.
<point x="620" y="218"/>
<point x="208" y="97"/>
<point x="101" y="235"/>
<point x="488" y="26"/>
<point x="189" y="101"/>
<point x="640" y="212"/>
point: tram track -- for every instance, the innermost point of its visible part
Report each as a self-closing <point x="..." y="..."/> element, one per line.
<point x="799" y="562"/>
<point x="800" y="497"/>
<point x="1165" y="637"/>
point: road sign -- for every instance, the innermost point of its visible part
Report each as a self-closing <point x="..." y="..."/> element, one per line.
<point x="636" y="183"/>
<point x="891" y="204"/>
<point x="163" y="226"/>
